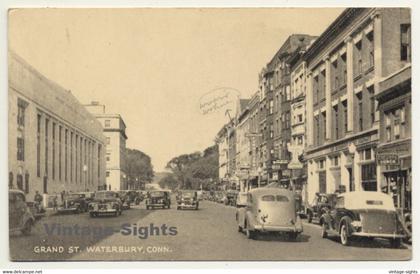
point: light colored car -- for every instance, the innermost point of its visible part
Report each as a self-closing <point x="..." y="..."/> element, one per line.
<point x="269" y="210"/>
<point x="241" y="199"/>
<point x="363" y="214"/>
<point x="20" y="216"/>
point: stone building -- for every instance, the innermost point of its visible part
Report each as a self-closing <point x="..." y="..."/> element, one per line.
<point x="114" y="131"/>
<point x="55" y="144"/>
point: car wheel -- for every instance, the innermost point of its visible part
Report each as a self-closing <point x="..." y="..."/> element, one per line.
<point x="395" y="243"/>
<point x="250" y="234"/>
<point x="120" y="212"/>
<point x="169" y="206"/>
<point x="324" y="233"/>
<point x="344" y="236"/>
<point x="26" y="230"/>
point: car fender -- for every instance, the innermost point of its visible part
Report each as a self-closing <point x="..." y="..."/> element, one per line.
<point x="347" y="220"/>
<point x="250" y="220"/>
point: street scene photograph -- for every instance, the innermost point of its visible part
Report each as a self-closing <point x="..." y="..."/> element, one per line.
<point x="209" y="134"/>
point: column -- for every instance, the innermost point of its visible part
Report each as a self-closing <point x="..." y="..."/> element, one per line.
<point x="350" y="91"/>
<point x="377" y="41"/>
<point x="344" y="172"/>
<point x="328" y="97"/>
<point x="309" y="110"/>
<point x="357" y="172"/>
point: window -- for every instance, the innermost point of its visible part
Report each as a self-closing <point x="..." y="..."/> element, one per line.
<point x="369" y="37"/>
<point x="344" y="68"/>
<point x="287" y="93"/>
<point x="271" y="131"/>
<point x="372" y="107"/>
<point x="335" y="161"/>
<point x="321" y="164"/>
<point x="360" y="108"/>
<point x="46" y="146"/>
<point x="300" y="140"/>
<point x="99" y="161"/>
<point x="358" y="55"/>
<point x="76" y="142"/>
<point x="317" y="129"/>
<point x="316" y="89"/>
<point x="107" y="123"/>
<point x="323" y="86"/>
<point x="20" y="149"/>
<point x="21" y="113"/>
<point x="60" y="130"/>
<point x="38" y="146"/>
<point x="369" y="177"/>
<point x="388" y="127"/>
<point x="271" y="106"/>
<point x="107" y="174"/>
<point x="300" y="118"/>
<point x="344" y="103"/>
<point x="367" y="154"/>
<point x="336" y="121"/>
<point x="65" y="154"/>
<point x="108" y="156"/>
<point x="53" y="150"/>
<point x="334" y="73"/>
<point x="108" y="140"/>
<point x="324" y="126"/>
<point x="71" y="156"/>
<point x="406" y="42"/>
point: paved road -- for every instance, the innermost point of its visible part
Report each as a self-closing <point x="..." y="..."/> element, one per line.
<point x="207" y="234"/>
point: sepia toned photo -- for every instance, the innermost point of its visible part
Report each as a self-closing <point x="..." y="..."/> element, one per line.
<point x="209" y="134"/>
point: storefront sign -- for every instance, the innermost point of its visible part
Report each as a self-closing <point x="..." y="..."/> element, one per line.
<point x="387" y="159"/>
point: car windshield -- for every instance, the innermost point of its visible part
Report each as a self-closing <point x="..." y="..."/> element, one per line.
<point x="276" y="198"/>
<point x="157" y="194"/>
<point x="187" y="194"/>
<point x="105" y="195"/>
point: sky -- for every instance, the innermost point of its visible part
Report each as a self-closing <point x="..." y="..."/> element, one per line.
<point x="155" y="66"/>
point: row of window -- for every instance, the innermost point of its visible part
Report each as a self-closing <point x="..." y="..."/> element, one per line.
<point x="70" y="151"/>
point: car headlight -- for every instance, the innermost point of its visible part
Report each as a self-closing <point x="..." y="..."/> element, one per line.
<point x="356" y="223"/>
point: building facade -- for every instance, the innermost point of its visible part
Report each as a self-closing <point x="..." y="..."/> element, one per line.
<point x="55" y="144"/>
<point x="345" y="66"/>
<point x="114" y="131"/>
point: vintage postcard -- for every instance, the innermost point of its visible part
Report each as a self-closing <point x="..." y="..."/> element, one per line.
<point x="198" y="134"/>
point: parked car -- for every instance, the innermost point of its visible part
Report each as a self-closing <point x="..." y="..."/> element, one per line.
<point x="20" y="215"/>
<point x="125" y="198"/>
<point x="269" y="210"/>
<point x="105" y="202"/>
<point x="89" y="196"/>
<point x="73" y="203"/>
<point x="321" y="204"/>
<point x="187" y="199"/>
<point x="231" y="197"/>
<point x="158" y="198"/>
<point x="363" y="214"/>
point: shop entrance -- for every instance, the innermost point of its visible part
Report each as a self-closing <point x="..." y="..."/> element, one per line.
<point x="398" y="184"/>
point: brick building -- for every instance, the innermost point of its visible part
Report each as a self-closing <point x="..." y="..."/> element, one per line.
<point x="345" y="66"/>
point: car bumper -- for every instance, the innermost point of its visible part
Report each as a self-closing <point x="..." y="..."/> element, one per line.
<point x="156" y="204"/>
<point x="69" y="209"/>
<point x="272" y="228"/>
<point x="378" y="235"/>
<point x="187" y="205"/>
<point x="108" y="210"/>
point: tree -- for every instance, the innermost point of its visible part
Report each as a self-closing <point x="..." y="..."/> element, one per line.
<point x="196" y="169"/>
<point x="169" y="181"/>
<point x="138" y="166"/>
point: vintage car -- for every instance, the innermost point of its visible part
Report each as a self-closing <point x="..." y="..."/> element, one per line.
<point x="105" y="203"/>
<point x="231" y="197"/>
<point x="20" y="216"/>
<point x="322" y="203"/>
<point x="73" y="203"/>
<point x="363" y="214"/>
<point x="125" y="198"/>
<point x="89" y="196"/>
<point x="269" y="210"/>
<point x="187" y="199"/>
<point x="158" y="198"/>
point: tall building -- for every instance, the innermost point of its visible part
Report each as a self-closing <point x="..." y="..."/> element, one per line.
<point x="345" y="67"/>
<point x="55" y="144"/>
<point x="114" y="131"/>
<point x="275" y="111"/>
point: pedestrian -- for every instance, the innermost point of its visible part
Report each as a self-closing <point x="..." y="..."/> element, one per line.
<point x="62" y="196"/>
<point x="55" y="204"/>
<point x="38" y="200"/>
